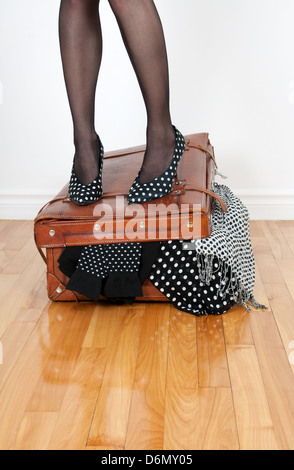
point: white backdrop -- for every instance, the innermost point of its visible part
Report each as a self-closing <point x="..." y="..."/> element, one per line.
<point x="231" y="72"/>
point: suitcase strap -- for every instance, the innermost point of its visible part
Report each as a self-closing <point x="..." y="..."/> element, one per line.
<point x="199" y="147"/>
<point x="210" y="193"/>
<point x="40" y="249"/>
<point x="178" y="190"/>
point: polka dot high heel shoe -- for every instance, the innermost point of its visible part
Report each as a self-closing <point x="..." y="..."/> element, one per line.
<point x="162" y="185"/>
<point x="86" y="194"/>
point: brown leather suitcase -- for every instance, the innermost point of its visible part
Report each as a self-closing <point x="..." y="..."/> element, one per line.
<point x="183" y="214"/>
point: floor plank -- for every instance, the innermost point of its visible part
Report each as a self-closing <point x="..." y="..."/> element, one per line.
<point x="146" y="419"/>
<point x="277" y="376"/>
<point x="34" y="431"/>
<point x="111" y="415"/>
<point x="253" y="417"/>
<point x="61" y="356"/>
<point x="74" y="419"/>
<point x="218" y="420"/>
<point x="212" y="359"/>
<point x="277" y="241"/>
<point x="182" y="429"/>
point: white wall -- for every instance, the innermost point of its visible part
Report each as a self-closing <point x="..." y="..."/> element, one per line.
<point x="232" y="75"/>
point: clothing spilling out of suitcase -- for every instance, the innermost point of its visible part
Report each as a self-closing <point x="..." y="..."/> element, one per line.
<point x="208" y="278"/>
<point x="206" y="274"/>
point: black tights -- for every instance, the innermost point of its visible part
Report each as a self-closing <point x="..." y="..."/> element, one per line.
<point x="81" y="51"/>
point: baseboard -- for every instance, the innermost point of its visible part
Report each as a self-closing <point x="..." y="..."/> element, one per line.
<point x="22" y="206"/>
<point x="268" y="205"/>
<point x="262" y="205"/>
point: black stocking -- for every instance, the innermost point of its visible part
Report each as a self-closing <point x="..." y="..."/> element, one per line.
<point x="81" y="52"/>
<point x="143" y="36"/>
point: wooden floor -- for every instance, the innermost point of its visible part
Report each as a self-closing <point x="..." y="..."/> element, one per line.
<point x="98" y="376"/>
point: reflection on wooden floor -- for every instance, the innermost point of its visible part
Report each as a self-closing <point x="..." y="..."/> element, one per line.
<point x="147" y="376"/>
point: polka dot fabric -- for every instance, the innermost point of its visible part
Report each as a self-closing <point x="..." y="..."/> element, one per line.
<point x="209" y="276"/>
<point x="230" y="240"/>
<point x="108" y="270"/>
<point x="162" y="185"/>
<point x="86" y="194"/>
<point x="176" y="274"/>
<point x="101" y="260"/>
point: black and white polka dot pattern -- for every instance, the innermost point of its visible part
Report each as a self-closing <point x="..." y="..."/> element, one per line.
<point x="176" y="274"/>
<point x="162" y="185"/>
<point x="85" y="194"/>
<point x="101" y="260"/>
<point x="209" y="276"/>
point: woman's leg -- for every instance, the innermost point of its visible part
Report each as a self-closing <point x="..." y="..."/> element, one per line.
<point x="81" y="52"/>
<point x="143" y="36"/>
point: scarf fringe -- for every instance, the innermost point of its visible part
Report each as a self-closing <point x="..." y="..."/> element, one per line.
<point x="228" y="282"/>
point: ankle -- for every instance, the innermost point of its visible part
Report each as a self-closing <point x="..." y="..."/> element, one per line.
<point x="85" y="139"/>
<point x="160" y="136"/>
